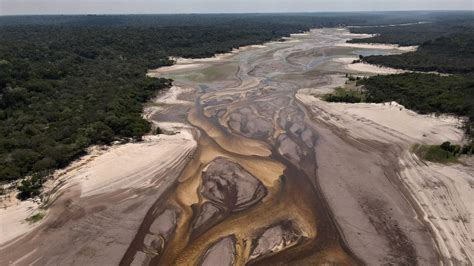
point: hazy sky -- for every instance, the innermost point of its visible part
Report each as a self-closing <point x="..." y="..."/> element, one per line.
<point x="15" y="7"/>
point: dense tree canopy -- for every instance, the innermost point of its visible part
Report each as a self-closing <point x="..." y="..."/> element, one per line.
<point x="445" y="46"/>
<point x="448" y="54"/>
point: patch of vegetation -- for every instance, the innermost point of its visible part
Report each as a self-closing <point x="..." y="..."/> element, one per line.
<point x="444" y="153"/>
<point x="35" y="218"/>
<point x="425" y="93"/>
<point x="344" y="95"/>
<point x="31" y="186"/>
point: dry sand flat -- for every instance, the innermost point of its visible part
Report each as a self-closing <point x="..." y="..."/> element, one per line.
<point x="442" y="193"/>
<point x="13" y="219"/>
<point x="379" y="46"/>
<point x="192" y="64"/>
<point x="387" y="122"/>
<point x="364" y="68"/>
<point x="445" y="194"/>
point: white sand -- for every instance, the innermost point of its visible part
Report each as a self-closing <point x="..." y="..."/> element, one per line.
<point x="345" y="60"/>
<point x="379" y="46"/>
<point x="168" y="69"/>
<point x="386" y="122"/>
<point x="358" y="35"/>
<point x="171" y="96"/>
<point x="217" y="57"/>
<point x="364" y="68"/>
<point x="369" y="68"/>
<point x="299" y="34"/>
<point x="444" y="193"/>
<point x="195" y="63"/>
<point x="12" y="219"/>
<point x="131" y="165"/>
<point x="334" y="81"/>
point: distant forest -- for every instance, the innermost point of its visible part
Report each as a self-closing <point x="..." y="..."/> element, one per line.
<point x="445" y="46"/>
<point x="69" y="82"/>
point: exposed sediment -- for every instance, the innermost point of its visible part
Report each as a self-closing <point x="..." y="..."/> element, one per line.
<point x="229" y="185"/>
<point x="220" y="253"/>
<point x="275" y="239"/>
<point x="271" y="174"/>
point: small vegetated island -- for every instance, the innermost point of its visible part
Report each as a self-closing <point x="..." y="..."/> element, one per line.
<point x="446" y="51"/>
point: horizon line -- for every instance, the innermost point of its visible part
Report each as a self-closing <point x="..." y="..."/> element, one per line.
<point x="235" y="13"/>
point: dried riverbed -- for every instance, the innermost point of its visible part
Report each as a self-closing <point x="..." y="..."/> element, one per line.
<point x="266" y="175"/>
<point x="258" y="190"/>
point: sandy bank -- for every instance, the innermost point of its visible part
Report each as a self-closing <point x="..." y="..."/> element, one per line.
<point x="365" y="68"/>
<point x="13" y="219"/>
<point x="132" y="165"/>
<point x="129" y="166"/>
<point x="333" y="81"/>
<point x="444" y="194"/>
<point x="195" y="63"/>
<point x="170" y="97"/>
<point x="175" y="67"/>
<point x="368" y="68"/>
<point x="358" y="35"/>
<point x="386" y="122"/>
<point x="378" y="46"/>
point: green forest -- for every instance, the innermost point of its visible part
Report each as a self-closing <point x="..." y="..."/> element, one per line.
<point x="447" y="54"/>
<point x="426" y="29"/>
<point x="445" y="46"/>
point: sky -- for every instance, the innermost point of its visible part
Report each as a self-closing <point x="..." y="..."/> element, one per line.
<point x="33" y="7"/>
